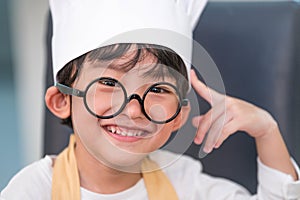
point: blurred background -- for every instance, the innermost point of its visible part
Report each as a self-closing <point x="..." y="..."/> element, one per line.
<point x="23" y="65"/>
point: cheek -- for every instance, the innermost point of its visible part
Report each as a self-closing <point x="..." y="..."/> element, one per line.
<point x="78" y="106"/>
<point x="160" y="138"/>
<point x="161" y="108"/>
<point x="80" y="115"/>
<point x="105" y="103"/>
<point x="102" y="109"/>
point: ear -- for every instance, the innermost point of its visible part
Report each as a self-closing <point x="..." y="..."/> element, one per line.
<point x="182" y="117"/>
<point x="58" y="103"/>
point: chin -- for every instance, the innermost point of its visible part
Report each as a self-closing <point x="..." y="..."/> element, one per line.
<point x="125" y="161"/>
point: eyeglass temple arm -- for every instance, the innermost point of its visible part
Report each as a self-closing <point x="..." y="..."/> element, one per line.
<point x="68" y="90"/>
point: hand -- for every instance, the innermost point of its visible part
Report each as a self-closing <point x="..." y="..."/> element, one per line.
<point x="227" y="116"/>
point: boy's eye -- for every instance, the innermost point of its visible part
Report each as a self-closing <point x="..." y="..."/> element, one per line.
<point x="109" y="83"/>
<point x="159" y="90"/>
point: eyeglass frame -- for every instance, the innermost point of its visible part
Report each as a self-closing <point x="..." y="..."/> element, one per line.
<point x="75" y="92"/>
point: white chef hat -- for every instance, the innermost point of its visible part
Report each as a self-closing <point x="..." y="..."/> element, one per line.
<point x="80" y="26"/>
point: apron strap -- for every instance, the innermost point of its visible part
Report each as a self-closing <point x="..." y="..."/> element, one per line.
<point x="157" y="183"/>
<point x="66" y="183"/>
<point x="65" y="178"/>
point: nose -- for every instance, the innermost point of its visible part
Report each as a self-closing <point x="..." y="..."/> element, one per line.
<point x="134" y="107"/>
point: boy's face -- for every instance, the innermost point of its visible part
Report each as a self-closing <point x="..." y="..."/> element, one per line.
<point x="129" y="136"/>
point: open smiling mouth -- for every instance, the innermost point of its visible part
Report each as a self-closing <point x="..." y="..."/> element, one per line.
<point x="127" y="132"/>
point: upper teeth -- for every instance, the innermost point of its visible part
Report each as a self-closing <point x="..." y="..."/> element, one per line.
<point x="131" y="133"/>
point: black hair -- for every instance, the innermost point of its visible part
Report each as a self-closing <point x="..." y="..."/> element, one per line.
<point x="165" y="56"/>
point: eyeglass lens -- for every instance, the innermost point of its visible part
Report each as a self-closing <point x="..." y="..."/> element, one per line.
<point x="106" y="98"/>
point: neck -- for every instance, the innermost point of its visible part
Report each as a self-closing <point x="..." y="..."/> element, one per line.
<point x="97" y="177"/>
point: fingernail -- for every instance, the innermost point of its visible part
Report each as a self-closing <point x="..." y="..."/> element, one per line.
<point x="197" y="141"/>
<point x="207" y="149"/>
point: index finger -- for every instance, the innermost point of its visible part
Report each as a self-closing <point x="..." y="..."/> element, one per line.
<point x="204" y="91"/>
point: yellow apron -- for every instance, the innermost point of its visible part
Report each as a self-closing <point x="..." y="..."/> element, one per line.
<point x="66" y="184"/>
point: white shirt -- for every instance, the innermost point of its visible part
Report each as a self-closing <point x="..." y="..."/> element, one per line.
<point x="190" y="183"/>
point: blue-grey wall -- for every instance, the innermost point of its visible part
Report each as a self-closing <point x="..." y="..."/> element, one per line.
<point x="10" y="149"/>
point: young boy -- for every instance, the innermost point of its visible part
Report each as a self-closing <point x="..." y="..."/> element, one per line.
<point x="122" y="73"/>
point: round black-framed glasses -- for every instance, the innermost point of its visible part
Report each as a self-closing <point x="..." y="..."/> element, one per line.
<point x="155" y="103"/>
